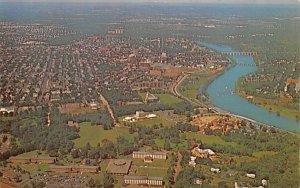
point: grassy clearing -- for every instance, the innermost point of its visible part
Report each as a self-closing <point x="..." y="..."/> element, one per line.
<point x="75" y="108"/>
<point x="151" y="171"/>
<point x="34" y="153"/>
<point x="95" y="134"/>
<point x="34" y="167"/>
<point x="262" y="154"/>
<point x="155" y="121"/>
<point x="190" y="87"/>
<point x="168" y="99"/>
<point x="208" y="139"/>
<point x="155" y="163"/>
<point x="243" y="159"/>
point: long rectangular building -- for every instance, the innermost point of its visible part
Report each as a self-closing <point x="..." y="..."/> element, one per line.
<point x="26" y="160"/>
<point x="154" y="155"/>
<point x="143" y="180"/>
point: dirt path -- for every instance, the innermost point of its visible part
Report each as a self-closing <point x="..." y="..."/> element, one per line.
<point x="178" y="166"/>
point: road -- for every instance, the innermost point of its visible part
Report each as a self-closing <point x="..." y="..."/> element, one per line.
<point x="104" y="101"/>
<point x="178" y="94"/>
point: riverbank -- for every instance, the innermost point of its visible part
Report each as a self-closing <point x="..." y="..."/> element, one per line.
<point x="277" y="106"/>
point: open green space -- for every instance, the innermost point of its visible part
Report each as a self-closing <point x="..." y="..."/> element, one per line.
<point x="261" y="154"/>
<point x="155" y="163"/>
<point x="34" y="154"/>
<point x="32" y="168"/>
<point x="151" y="171"/>
<point x="207" y="139"/>
<point x="190" y="87"/>
<point x="155" y="121"/>
<point x="95" y="134"/>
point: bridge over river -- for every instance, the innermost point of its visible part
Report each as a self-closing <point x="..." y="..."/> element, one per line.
<point x="240" y="53"/>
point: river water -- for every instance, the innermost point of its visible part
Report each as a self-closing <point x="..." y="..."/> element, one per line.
<point x="222" y="94"/>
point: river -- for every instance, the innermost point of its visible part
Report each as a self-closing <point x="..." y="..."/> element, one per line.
<point x="222" y="94"/>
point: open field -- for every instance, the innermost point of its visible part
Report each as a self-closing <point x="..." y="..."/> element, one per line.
<point x="261" y="154"/>
<point x="190" y="87"/>
<point x="151" y="171"/>
<point x="154" y="121"/>
<point x="34" y="167"/>
<point x="75" y="108"/>
<point x="95" y="134"/>
<point x="156" y="163"/>
<point x="208" y="139"/>
<point x="33" y="154"/>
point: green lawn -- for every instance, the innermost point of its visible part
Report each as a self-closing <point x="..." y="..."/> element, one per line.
<point x="95" y="134"/>
<point x="33" y="153"/>
<point x="189" y="88"/>
<point x="154" y="121"/>
<point x="168" y="99"/>
<point x="34" y="167"/>
<point x="151" y="171"/>
<point x="261" y="154"/>
<point x="208" y="139"/>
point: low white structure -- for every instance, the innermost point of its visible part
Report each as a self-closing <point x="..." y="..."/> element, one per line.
<point x="215" y="170"/>
<point x="203" y="153"/>
<point x="151" y="116"/>
<point x="139" y="115"/>
<point x="264" y="182"/>
<point x="192" y="162"/>
<point x="250" y="175"/>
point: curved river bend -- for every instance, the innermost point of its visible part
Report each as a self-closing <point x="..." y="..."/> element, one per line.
<point x="222" y="94"/>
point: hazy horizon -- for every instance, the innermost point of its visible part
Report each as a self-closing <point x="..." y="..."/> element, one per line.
<point x="161" y="1"/>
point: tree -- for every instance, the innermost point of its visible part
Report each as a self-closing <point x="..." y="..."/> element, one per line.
<point x="108" y="181"/>
<point x="91" y="183"/>
<point x="167" y="145"/>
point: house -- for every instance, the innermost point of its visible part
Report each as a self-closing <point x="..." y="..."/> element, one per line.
<point x="197" y="181"/>
<point x="21" y="160"/>
<point x="73" y="124"/>
<point x="7" y="110"/>
<point x="154" y="155"/>
<point x="203" y="153"/>
<point x="215" y="170"/>
<point x="264" y="182"/>
<point x="118" y="166"/>
<point x="192" y="162"/>
<point x="250" y="175"/>
<point x="143" y="180"/>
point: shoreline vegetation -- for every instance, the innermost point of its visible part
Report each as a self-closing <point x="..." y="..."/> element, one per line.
<point x="272" y="105"/>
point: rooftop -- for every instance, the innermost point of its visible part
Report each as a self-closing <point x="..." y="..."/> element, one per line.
<point x="118" y="166"/>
